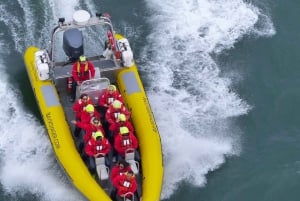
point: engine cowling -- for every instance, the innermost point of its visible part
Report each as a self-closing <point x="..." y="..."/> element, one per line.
<point x="73" y="43"/>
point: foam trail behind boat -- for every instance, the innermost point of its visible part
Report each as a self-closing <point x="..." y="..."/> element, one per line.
<point x="193" y="105"/>
<point x="28" y="165"/>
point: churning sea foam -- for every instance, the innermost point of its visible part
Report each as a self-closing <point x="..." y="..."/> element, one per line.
<point x="194" y="106"/>
<point x="28" y="164"/>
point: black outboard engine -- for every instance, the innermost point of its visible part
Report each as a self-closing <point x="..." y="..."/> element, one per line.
<point x="73" y="43"/>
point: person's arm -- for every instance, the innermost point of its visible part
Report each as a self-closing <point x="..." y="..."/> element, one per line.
<point x="135" y="143"/>
<point x="117" y="145"/>
<point x="74" y="72"/>
<point x="129" y="126"/>
<point x="84" y="126"/>
<point x="97" y="114"/>
<point x="102" y="100"/>
<point x="107" y="147"/>
<point x="76" y="107"/>
<point x="119" y="97"/>
<point x="92" y="69"/>
<point x="87" y="136"/>
<point x="88" y="149"/>
<point x="126" y="112"/>
<point x="114" y="172"/>
<point x="108" y="117"/>
<point x="113" y="127"/>
<point x="115" y="181"/>
<point x="79" y="124"/>
<point x="85" y="117"/>
<point x="133" y="187"/>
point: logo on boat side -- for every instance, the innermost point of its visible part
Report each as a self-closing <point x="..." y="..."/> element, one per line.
<point x="52" y="130"/>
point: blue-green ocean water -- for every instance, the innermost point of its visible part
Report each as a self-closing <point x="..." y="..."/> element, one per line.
<point x="222" y="80"/>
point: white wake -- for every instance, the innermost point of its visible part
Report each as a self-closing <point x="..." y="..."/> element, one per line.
<point x="27" y="161"/>
<point x="193" y="105"/>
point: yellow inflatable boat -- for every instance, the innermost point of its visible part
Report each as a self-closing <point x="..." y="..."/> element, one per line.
<point x="49" y="71"/>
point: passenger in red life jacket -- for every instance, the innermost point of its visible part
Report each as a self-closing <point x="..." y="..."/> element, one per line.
<point x="109" y="95"/>
<point x="88" y="113"/>
<point x="82" y="70"/>
<point x="97" y="146"/>
<point x="114" y="110"/>
<point x="78" y="107"/>
<point x="89" y="128"/>
<point x="121" y="167"/>
<point x="126" y="186"/>
<point x="114" y="128"/>
<point x="124" y="141"/>
<point x="120" y="122"/>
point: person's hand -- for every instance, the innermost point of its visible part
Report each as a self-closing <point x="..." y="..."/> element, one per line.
<point x="78" y="83"/>
<point x="99" y="155"/>
<point x="73" y="121"/>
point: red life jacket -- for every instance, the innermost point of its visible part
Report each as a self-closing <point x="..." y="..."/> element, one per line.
<point x="126" y="142"/>
<point x="86" y="69"/>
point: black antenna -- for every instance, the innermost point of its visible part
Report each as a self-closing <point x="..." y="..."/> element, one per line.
<point x="61" y="20"/>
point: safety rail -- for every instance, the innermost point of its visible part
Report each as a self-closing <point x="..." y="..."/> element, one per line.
<point x="127" y="195"/>
<point x="94" y="88"/>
